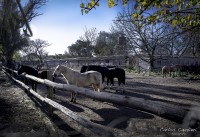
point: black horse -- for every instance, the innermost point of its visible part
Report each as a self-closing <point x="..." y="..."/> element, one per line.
<point x="110" y="72"/>
<point x="118" y="73"/>
<point x="43" y="74"/>
<point x="34" y="72"/>
<point x="30" y="71"/>
<point x="103" y="70"/>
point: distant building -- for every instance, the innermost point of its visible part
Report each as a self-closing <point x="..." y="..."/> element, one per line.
<point x="104" y="60"/>
<point x="131" y="61"/>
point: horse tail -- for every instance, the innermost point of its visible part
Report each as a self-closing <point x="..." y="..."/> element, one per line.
<point x="124" y="77"/>
<point x="100" y="83"/>
<point x="162" y="71"/>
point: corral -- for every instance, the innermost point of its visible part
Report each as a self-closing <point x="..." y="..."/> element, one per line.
<point x="129" y="61"/>
<point x="126" y="121"/>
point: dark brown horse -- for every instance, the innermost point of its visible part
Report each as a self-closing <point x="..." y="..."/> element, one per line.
<point x="170" y="70"/>
<point x="34" y="72"/>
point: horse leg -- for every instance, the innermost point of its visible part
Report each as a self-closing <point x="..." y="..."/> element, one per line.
<point x="98" y="88"/>
<point x="72" y="97"/>
<point x="103" y="79"/>
<point x="54" y="91"/>
<point x="119" y="81"/>
<point x="123" y="85"/>
<point x="75" y="97"/>
<point x="32" y="85"/>
<point x="35" y="87"/>
<point x="108" y="81"/>
<point x="112" y="82"/>
<point x="162" y="72"/>
<point x="95" y="87"/>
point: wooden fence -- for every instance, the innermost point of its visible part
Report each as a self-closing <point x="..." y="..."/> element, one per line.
<point x="169" y="111"/>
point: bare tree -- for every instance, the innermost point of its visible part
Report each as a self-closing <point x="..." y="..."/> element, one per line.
<point x="38" y="46"/>
<point x="193" y="48"/>
<point x="144" y="40"/>
<point x="89" y="37"/>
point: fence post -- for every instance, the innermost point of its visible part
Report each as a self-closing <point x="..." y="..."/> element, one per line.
<point x="25" y="82"/>
<point x="50" y="90"/>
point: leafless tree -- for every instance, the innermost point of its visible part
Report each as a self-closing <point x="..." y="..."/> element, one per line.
<point x="90" y="35"/>
<point x="89" y="38"/>
<point x="193" y="48"/>
<point x="144" y="40"/>
<point x="38" y="47"/>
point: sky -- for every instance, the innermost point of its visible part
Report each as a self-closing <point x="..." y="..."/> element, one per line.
<point x="62" y="22"/>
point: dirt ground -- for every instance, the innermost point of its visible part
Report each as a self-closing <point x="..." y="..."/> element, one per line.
<point x="22" y="115"/>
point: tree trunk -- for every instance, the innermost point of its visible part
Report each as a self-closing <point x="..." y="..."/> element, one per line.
<point x="151" y="65"/>
<point x="9" y="60"/>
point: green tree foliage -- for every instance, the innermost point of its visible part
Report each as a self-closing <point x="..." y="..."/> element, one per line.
<point x="80" y="49"/>
<point x="107" y="44"/>
<point x="84" y="47"/>
<point x="182" y="14"/>
<point x="11" y="22"/>
<point x="16" y="56"/>
<point x="104" y="44"/>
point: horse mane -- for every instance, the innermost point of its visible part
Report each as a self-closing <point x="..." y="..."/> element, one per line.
<point x="68" y="68"/>
<point x="28" y="70"/>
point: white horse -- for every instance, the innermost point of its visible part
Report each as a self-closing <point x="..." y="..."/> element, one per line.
<point x="73" y="77"/>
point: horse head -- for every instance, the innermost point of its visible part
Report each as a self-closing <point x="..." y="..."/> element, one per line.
<point x="20" y="70"/>
<point x="57" y="71"/>
<point x="83" y="69"/>
<point x="29" y="70"/>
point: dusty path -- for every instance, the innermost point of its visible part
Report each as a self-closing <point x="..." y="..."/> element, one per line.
<point x="19" y="117"/>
